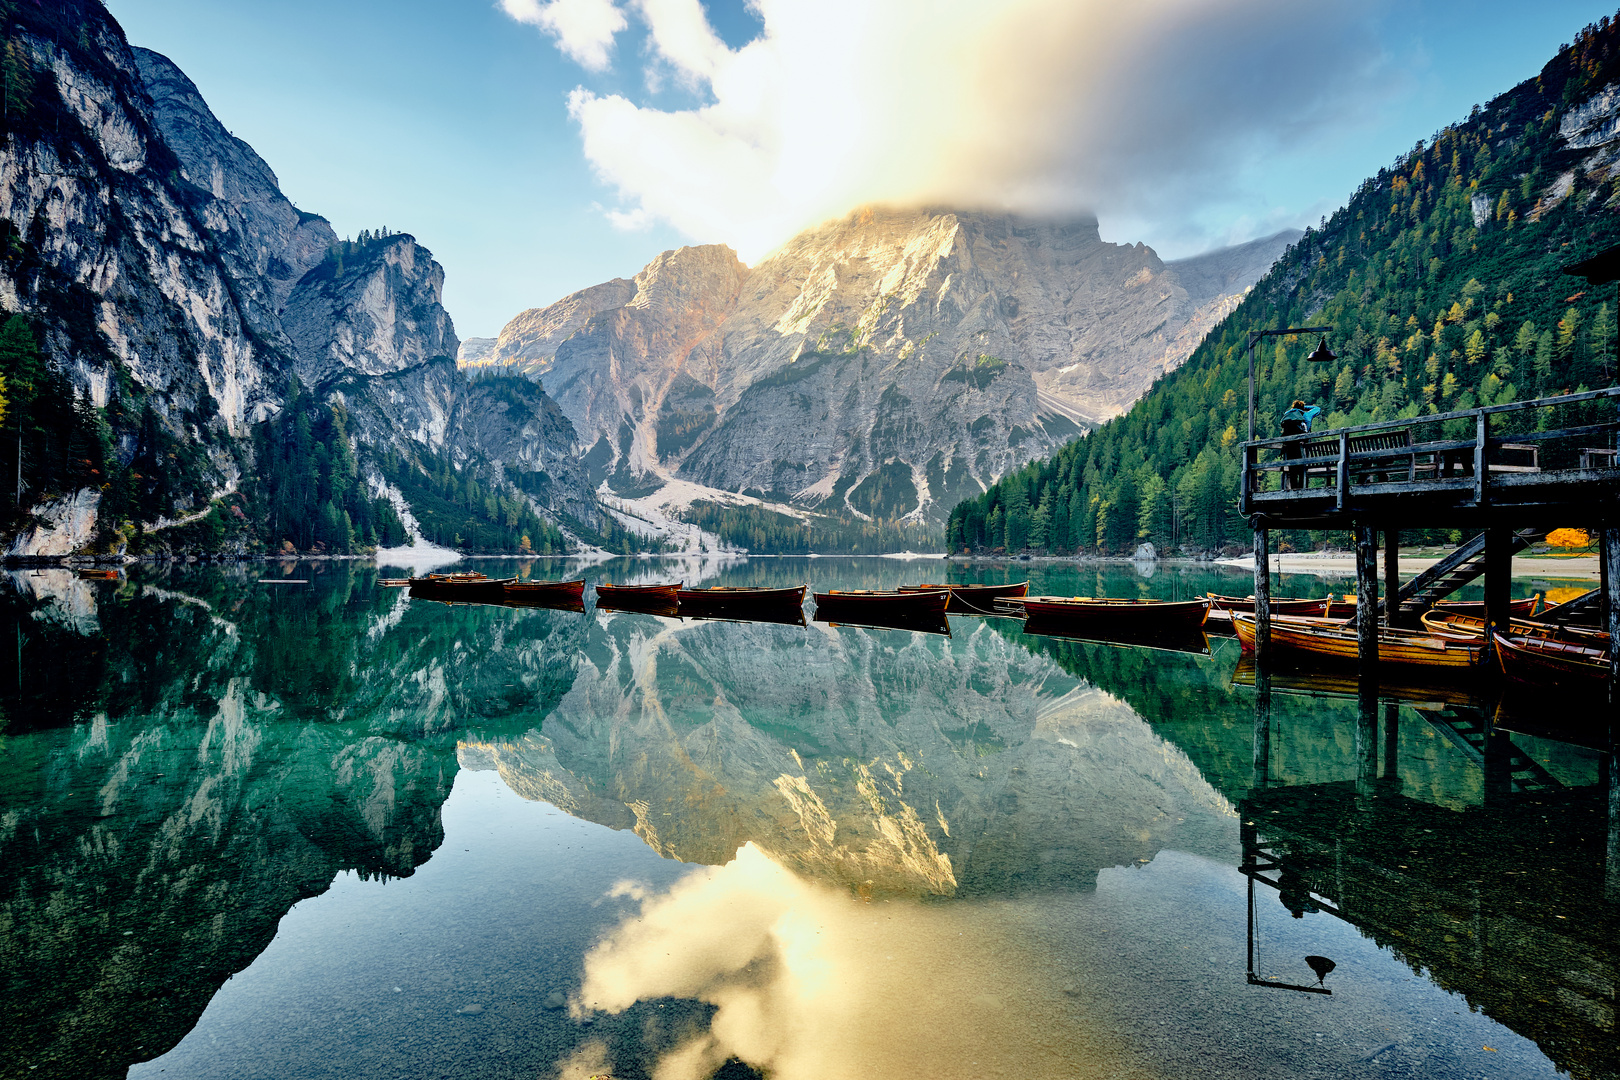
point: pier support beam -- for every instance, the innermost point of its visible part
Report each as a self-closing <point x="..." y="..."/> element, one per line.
<point x="1262" y="595"/>
<point x="1392" y="573"/>
<point x="1498" y="578"/>
<point x="1609" y="556"/>
<point x="1367" y="600"/>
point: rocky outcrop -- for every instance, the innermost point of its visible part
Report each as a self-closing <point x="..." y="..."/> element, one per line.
<point x="167" y="269"/>
<point x="369" y="309"/>
<point x="884" y="365"/>
<point x="61" y="526"/>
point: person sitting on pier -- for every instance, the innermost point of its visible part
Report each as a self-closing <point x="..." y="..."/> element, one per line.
<point x="1297" y="421"/>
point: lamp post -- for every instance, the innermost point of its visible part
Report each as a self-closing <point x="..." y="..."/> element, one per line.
<point x="1321" y="355"/>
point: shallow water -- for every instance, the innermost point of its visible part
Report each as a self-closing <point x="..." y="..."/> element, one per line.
<point x="325" y="830"/>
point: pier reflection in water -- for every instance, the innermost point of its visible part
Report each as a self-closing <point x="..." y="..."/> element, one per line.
<point x="490" y="842"/>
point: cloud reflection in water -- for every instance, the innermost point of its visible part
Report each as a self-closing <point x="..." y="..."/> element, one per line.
<point x="809" y="982"/>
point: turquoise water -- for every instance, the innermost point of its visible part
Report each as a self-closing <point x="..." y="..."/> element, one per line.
<point x="324" y="830"/>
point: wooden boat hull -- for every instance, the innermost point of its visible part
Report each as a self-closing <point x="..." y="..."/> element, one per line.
<point x="1100" y="619"/>
<point x="1331" y="642"/>
<point x="973" y="599"/>
<point x="1461" y="625"/>
<point x="1280" y="605"/>
<point x="98" y="575"/>
<point x="643" y="599"/>
<point x="1219" y="619"/>
<point x="548" y="590"/>
<point x="468" y="590"/>
<point x="860" y="604"/>
<point x="785" y="606"/>
<point x="1522" y="608"/>
<point x="1544" y="662"/>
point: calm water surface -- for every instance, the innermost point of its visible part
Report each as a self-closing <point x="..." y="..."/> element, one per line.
<point x="323" y="830"/>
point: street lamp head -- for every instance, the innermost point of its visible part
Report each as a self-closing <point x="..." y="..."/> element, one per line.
<point x="1323" y="354"/>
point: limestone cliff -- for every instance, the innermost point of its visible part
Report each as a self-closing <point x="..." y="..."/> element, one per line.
<point x="168" y="272"/>
<point x="882" y="365"/>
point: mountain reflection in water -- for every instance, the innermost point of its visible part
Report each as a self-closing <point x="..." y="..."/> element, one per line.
<point x="860" y="850"/>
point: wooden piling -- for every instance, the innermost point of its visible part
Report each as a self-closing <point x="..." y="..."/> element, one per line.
<point x="1392" y="574"/>
<point x="1367" y="600"/>
<point x="1262" y="594"/>
<point x="1609" y="557"/>
<point x="1498" y="578"/>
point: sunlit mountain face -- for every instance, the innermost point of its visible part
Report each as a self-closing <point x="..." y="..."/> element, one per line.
<point x="302" y="829"/>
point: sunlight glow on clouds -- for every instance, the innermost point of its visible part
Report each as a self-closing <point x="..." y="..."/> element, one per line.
<point x="584" y="29"/>
<point x="810" y="983"/>
<point x="1141" y="111"/>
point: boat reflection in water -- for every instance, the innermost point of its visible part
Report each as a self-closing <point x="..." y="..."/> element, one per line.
<point x="1173" y="638"/>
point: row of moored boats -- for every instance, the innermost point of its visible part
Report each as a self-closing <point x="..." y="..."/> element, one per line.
<point x="1541" y="645"/>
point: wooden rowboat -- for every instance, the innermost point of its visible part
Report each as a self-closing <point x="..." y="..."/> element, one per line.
<point x="1219" y="619"/>
<point x="461" y="588"/>
<point x="1280" y="605"/>
<point x="745" y="603"/>
<point x="973" y="599"/>
<point x="1330" y="640"/>
<point x="627" y="592"/>
<point x="857" y="602"/>
<point x="98" y="575"/>
<point x="1103" y="619"/>
<point x="393" y="582"/>
<point x="645" y="599"/>
<point x="1561" y="663"/>
<point x="1455" y="623"/>
<point x="1521" y="609"/>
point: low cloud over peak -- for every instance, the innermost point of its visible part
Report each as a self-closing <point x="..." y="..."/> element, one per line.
<point x="1137" y="112"/>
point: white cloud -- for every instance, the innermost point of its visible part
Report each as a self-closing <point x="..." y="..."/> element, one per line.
<point x="584" y="29"/>
<point x="1136" y="111"/>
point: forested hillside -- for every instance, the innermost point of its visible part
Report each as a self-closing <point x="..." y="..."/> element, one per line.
<point x="1443" y="280"/>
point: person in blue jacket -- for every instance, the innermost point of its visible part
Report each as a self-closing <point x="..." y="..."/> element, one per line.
<point x="1297" y="421"/>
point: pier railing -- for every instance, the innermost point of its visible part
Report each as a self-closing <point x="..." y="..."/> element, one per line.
<point x="1544" y="449"/>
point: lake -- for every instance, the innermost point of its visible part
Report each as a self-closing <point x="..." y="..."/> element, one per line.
<point x="325" y="830"/>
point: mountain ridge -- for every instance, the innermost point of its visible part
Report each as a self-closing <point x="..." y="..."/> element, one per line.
<point x="940" y="349"/>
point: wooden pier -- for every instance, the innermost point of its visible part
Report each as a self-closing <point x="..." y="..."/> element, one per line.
<point x="1514" y="471"/>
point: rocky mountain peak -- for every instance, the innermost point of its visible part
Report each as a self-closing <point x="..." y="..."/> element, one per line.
<point x="881" y="364"/>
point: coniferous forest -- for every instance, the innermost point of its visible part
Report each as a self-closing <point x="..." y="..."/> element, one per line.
<point x="1443" y="279"/>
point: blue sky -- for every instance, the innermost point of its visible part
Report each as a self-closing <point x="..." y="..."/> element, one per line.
<point x="450" y="120"/>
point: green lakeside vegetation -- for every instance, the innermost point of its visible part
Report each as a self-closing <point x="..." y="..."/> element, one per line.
<point x="1443" y="279"/>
